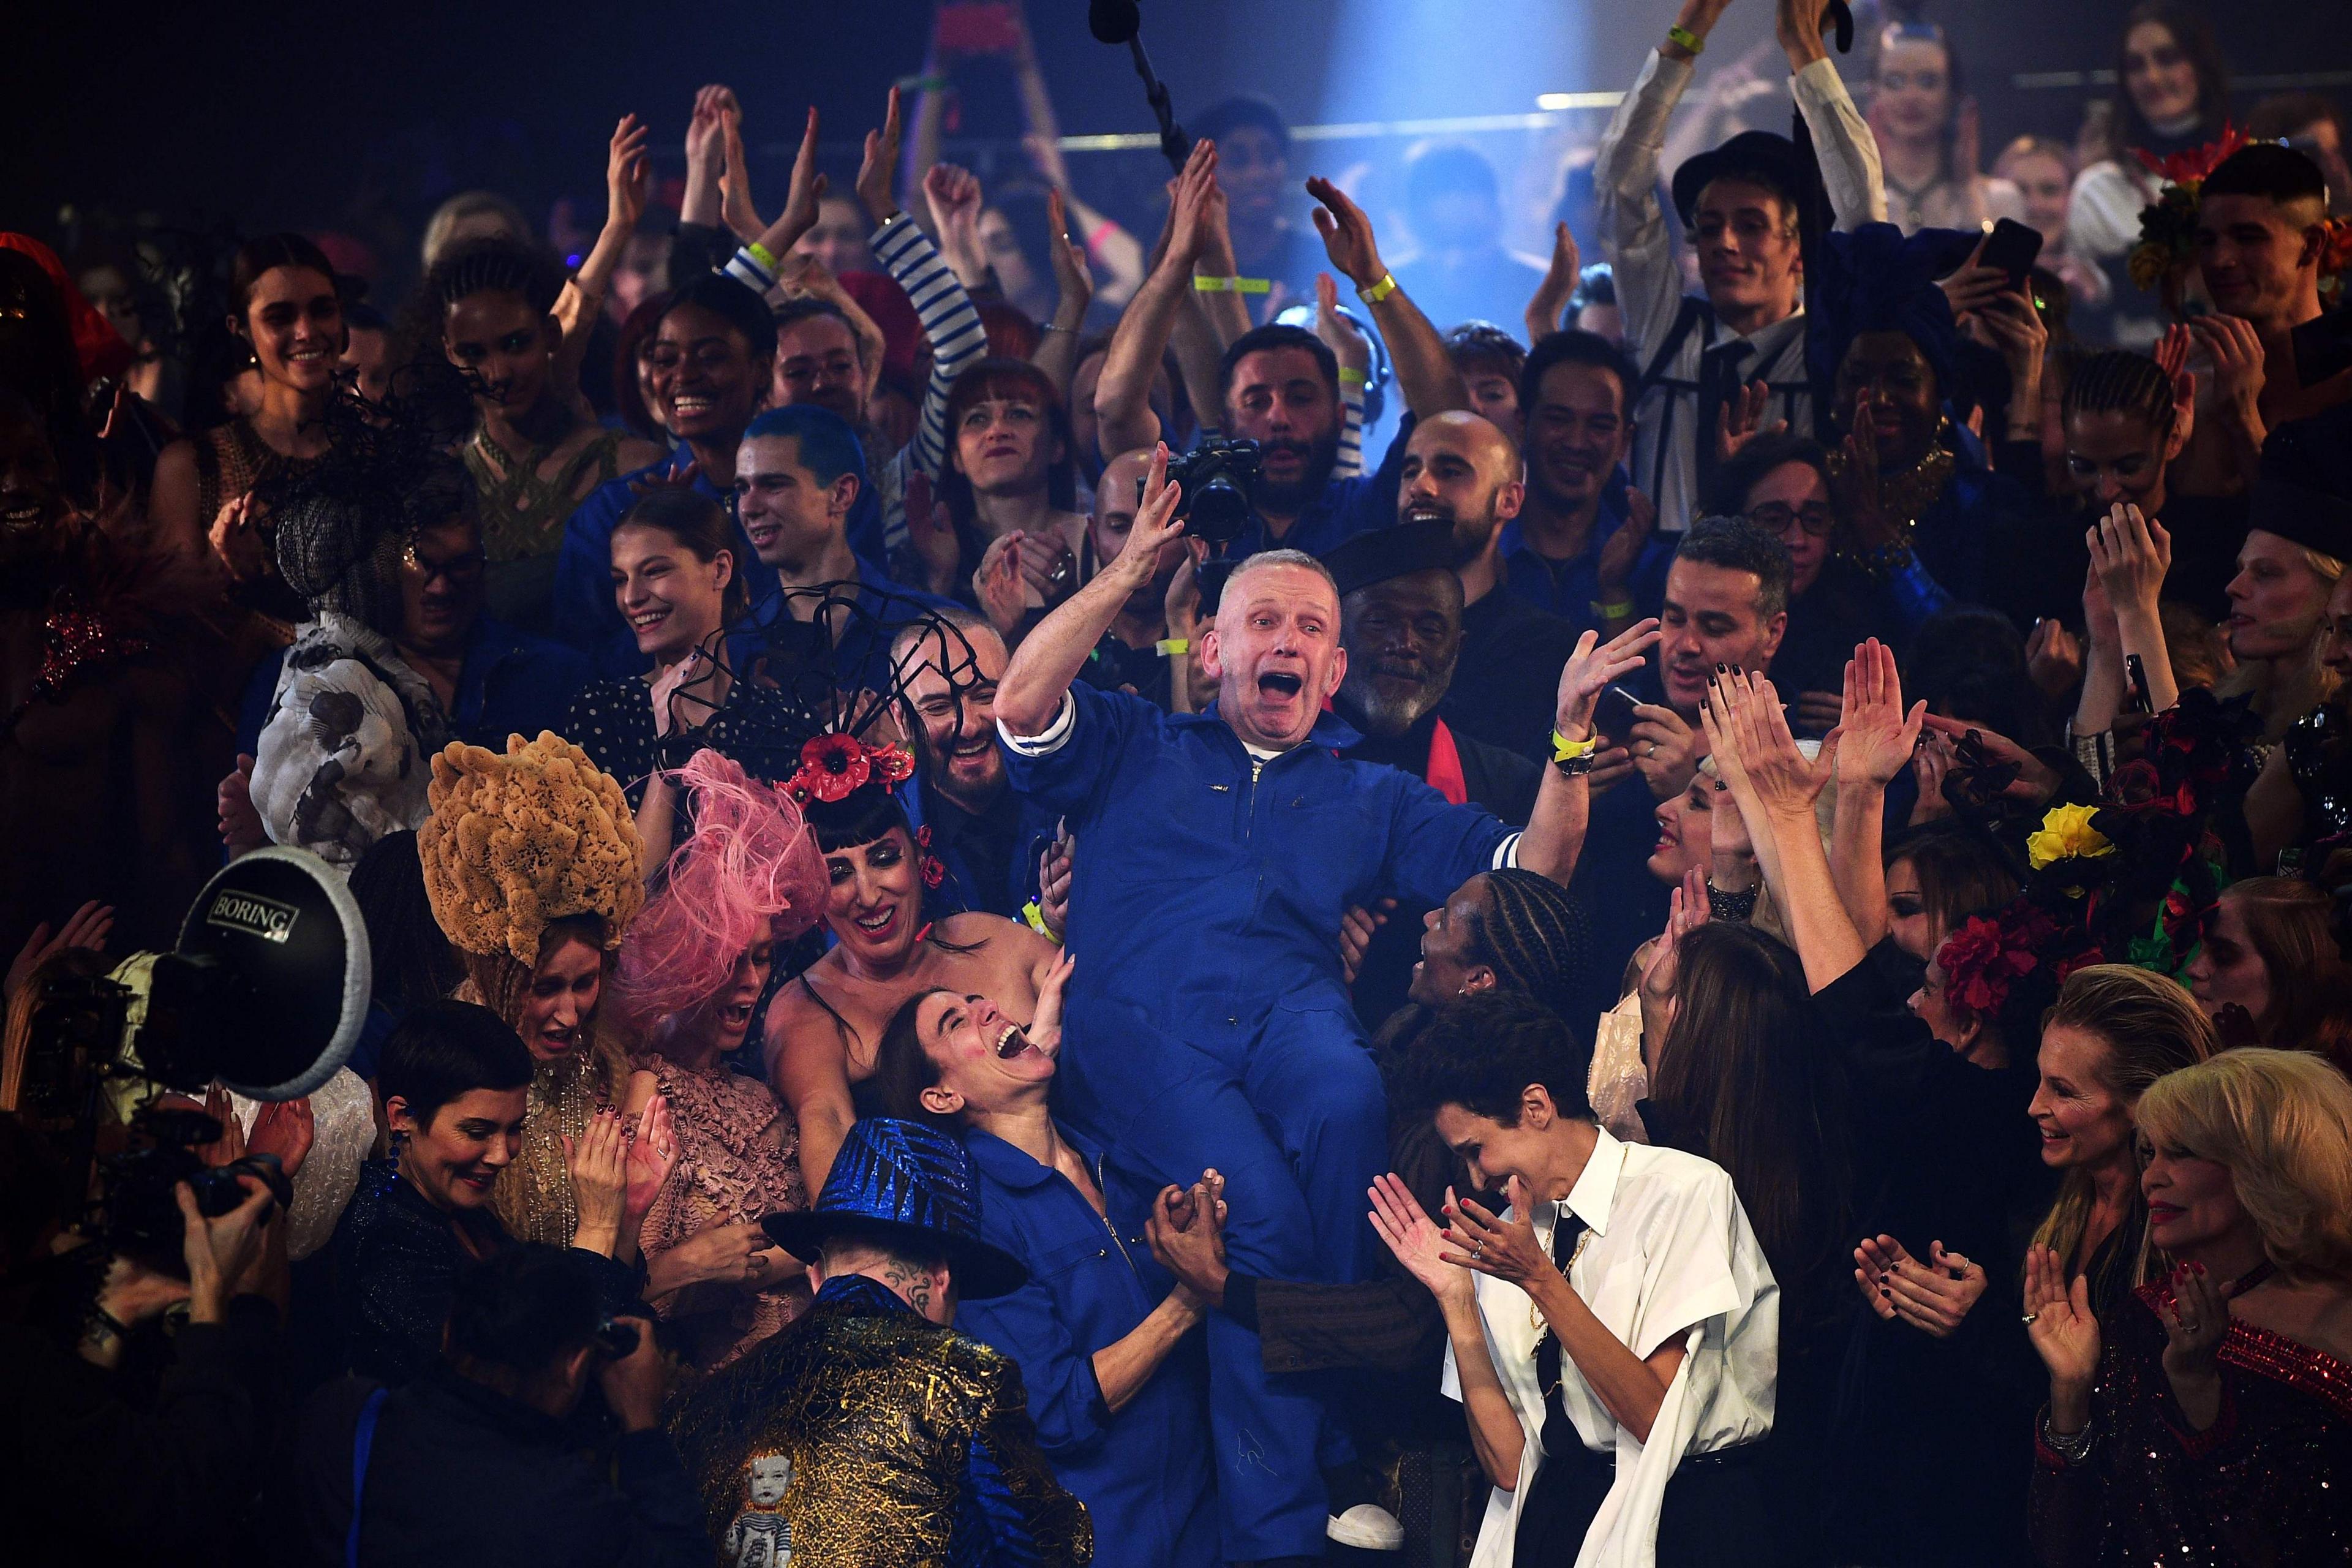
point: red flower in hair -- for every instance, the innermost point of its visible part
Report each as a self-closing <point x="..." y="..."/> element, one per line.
<point x="933" y="871"/>
<point x="2190" y="167"/>
<point x="833" y="767"/>
<point x="1981" y="960"/>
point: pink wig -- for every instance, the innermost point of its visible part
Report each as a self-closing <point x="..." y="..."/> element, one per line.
<point x="752" y="867"/>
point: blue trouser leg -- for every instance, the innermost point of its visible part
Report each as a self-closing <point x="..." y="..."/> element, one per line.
<point x="1315" y="1084"/>
<point x="1178" y="1112"/>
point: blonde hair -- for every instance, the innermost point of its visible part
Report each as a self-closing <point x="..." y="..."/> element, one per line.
<point x="2287" y="690"/>
<point x="2282" y="1122"/>
<point x="2151" y="1027"/>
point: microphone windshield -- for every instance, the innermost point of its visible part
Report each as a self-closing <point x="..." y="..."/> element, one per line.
<point x="1113" y="21"/>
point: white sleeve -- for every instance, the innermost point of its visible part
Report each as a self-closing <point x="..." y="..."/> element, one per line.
<point x="1842" y="145"/>
<point x="1633" y="232"/>
<point x="2102" y="215"/>
<point x="949" y="320"/>
<point x="1052" y="739"/>
<point x="1506" y="854"/>
<point x="1701" y="1263"/>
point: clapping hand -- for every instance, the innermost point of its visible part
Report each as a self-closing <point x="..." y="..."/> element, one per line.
<point x="285" y="1129"/>
<point x="2131" y="554"/>
<point x="1877" y="739"/>
<point x="1622" y="551"/>
<point x="1340" y="335"/>
<point x="2196" y="1317"/>
<point x="598" y="1165"/>
<point x="1741" y="420"/>
<point x="2059" y="1320"/>
<point x="86" y="928"/>
<point x="628" y="173"/>
<point x="1074" y="284"/>
<point x="1932" y="1297"/>
<point x="1346" y="234"/>
<point x="1687" y="909"/>
<point x="1754" y="752"/>
<point x="1401" y="1222"/>
<point x="652" y="1153"/>
<point x="877" y="169"/>
<point x="1044" y="1029"/>
<point x="1189" y="221"/>
<point x="1504" y="1247"/>
<point x="1552" y="296"/>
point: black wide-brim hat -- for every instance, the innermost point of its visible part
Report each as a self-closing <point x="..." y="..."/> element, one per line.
<point x="904" y="1181"/>
<point x="1760" y="155"/>
<point x="1380" y="554"/>
<point x="2302" y="492"/>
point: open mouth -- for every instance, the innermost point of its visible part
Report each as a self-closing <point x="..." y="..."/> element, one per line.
<point x="1276" y="686"/>
<point x="19" y="512"/>
<point x="1429" y="511"/>
<point x="1012" y="1043"/>
<point x="645" y="620"/>
<point x="306" y="356"/>
<point x="737" y="1015"/>
<point x="880" y="923"/>
<point x="690" y="407"/>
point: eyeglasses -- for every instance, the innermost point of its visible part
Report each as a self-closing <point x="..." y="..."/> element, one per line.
<point x="458" y="569"/>
<point x="1774" y="516"/>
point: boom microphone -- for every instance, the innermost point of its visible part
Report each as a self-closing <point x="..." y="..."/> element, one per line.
<point x="1113" y="21"/>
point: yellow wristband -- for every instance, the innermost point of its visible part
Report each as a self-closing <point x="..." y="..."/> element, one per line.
<point x="1036" y="918"/>
<point x="1350" y="376"/>
<point x="1207" y="285"/>
<point x="1684" y="37"/>
<point x="1622" y="610"/>
<point x="1378" y="291"/>
<point x="1567" y="750"/>
<point x="762" y="255"/>
<point x="1173" y="647"/>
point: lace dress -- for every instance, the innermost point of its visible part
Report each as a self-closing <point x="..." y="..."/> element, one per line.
<point x="737" y="1160"/>
<point x="523" y="517"/>
<point x="231" y="459"/>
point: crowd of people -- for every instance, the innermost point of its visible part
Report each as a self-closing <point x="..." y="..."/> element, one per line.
<point x="999" y="933"/>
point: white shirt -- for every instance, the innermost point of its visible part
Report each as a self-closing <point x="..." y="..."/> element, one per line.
<point x="1670" y="1257"/>
<point x="1641" y="249"/>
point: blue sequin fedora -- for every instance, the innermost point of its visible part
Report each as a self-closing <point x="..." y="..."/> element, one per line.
<point x="905" y="1179"/>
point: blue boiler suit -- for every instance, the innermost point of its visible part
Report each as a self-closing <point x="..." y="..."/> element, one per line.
<point x="1142" y="1472"/>
<point x="1209" y="1023"/>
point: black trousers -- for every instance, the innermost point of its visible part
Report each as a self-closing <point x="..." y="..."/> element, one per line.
<point x="1712" y="1516"/>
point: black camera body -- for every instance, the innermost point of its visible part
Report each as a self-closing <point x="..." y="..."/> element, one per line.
<point x="141" y="1209"/>
<point x="1216" y="477"/>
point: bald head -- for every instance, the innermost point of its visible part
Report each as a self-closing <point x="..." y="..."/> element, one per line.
<point x="1463" y="470"/>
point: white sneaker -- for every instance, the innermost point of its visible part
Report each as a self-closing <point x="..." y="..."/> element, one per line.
<point x="1367" y="1526"/>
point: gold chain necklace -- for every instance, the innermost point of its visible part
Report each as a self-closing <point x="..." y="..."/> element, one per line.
<point x="1535" y="1313"/>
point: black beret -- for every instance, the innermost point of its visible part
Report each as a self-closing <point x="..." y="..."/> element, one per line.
<point x="1395" y="551"/>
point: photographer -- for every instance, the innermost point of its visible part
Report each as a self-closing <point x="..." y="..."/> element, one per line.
<point x="476" y="1460"/>
<point x="93" y="1463"/>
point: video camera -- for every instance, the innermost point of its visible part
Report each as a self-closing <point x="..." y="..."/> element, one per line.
<point x="263" y="993"/>
<point x="1216" y="477"/>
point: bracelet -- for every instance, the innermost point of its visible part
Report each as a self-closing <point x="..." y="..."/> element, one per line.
<point x="1173" y="647"/>
<point x="1204" y="284"/>
<point x="1380" y="290"/>
<point x="760" y="253"/>
<point x="1572" y="767"/>
<point x="1723" y="906"/>
<point x="1350" y="376"/>
<point x="1036" y="916"/>
<point x="1617" y="610"/>
<point x="2074" y="1447"/>
<point x="1683" y="37"/>
<point x="1055" y="326"/>
<point x="1564" y="750"/>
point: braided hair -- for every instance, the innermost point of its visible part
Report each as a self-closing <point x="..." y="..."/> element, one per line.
<point x="2117" y="380"/>
<point x="1536" y="938"/>
<point x="495" y="262"/>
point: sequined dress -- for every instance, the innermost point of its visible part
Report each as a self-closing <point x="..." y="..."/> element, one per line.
<point x="738" y="1159"/>
<point x="896" y="1441"/>
<point x="2270" y="1482"/>
<point x="533" y="1194"/>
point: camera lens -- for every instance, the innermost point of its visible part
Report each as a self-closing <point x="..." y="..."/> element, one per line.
<point x="1219" y="511"/>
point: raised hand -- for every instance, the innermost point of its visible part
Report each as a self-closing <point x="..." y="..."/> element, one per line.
<point x="1346" y="234"/>
<point x="1623" y="551"/>
<point x="1741" y="420"/>
<point x="997" y="583"/>
<point x="1687" y="909"/>
<point x="86" y="928"/>
<point x="2196" y="1319"/>
<point x="1340" y="335"/>
<point x="1075" y="284"/>
<point x="2172" y="350"/>
<point x="1590" y="670"/>
<point x="628" y="173"/>
<point x="1550" y="300"/>
<point x="597" y="1164"/>
<point x="285" y="1128"/>
<point x="804" y="193"/>
<point x="1491" y="1244"/>
<point x="1877" y="739"/>
<point x="651" y="1156"/>
<point x="2059" y="1320"/>
<point x="2235" y="348"/>
<point x="876" y="172"/>
<point x="1754" y="752"/>
<point x="953" y="194"/>
<point x="1856" y="487"/>
<point x="1189" y="223"/>
<point x="1406" y="1228"/>
<point x="2131" y="554"/>
<point x="1044" y="1029"/>
<point x="1156" y="523"/>
<point x="1934" y="1297"/>
<point x="706" y="134"/>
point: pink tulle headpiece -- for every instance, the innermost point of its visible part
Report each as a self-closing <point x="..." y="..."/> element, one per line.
<point x="751" y="867"/>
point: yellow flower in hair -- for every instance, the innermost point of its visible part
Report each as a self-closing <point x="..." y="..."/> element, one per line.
<point x="2064" y="833"/>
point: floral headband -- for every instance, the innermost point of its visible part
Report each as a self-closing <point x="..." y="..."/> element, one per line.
<point x="2167" y="225"/>
<point x="836" y="767"/>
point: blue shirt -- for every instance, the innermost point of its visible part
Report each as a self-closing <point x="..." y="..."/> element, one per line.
<point x="508" y="683"/>
<point x="1143" y="1471"/>
<point x="1569" y="589"/>
<point x="1347" y="508"/>
<point x="965" y="885"/>
<point x="1213" y="889"/>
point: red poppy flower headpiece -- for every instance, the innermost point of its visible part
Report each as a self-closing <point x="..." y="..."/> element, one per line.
<point x="834" y="767"/>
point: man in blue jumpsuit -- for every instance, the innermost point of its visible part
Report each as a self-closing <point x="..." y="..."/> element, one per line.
<point x="1208" y="1019"/>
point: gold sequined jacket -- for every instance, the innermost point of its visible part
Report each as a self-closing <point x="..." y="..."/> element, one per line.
<point x="877" y="1438"/>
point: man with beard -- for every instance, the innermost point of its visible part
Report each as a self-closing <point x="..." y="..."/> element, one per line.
<point x="1253" y="161"/>
<point x="1739" y="204"/>
<point x="1584" y="545"/>
<point x="1401" y="624"/>
<point x="1280" y="385"/>
<point x="986" y="837"/>
<point x="1210" y="1023"/>
<point x="1463" y="473"/>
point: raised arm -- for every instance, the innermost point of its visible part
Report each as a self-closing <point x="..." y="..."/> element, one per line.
<point x="1876" y="738"/>
<point x="1117" y="252"/>
<point x="1123" y="391"/>
<point x="1424" y="371"/>
<point x="941" y="305"/>
<point x="706" y="156"/>
<point x="1050" y="656"/>
<point x="2131" y="554"/>
<point x="1549" y="301"/>
<point x="1847" y="152"/>
<point x="627" y="173"/>
<point x="1058" y="347"/>
<point x="1634" y="237"/>
<point x="1776" y="787"/>
<point x="1555" y="831"/>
